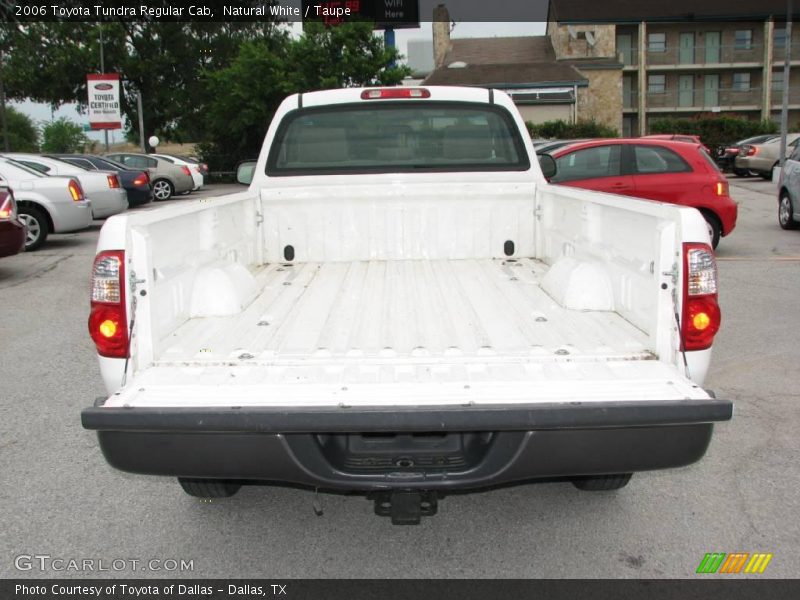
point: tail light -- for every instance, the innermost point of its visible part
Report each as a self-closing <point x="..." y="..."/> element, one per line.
<point x="107" y="318"/>
<point x="752" y="151"/>
<point x="204" y="168"/>
<point x="701" y="314"/>
<point x="75" y="190"/>
<point x="113" y="181"/>
<point x="186" y="171"/>
<point x="141" y="179"/>
<point x="398" y="92"/>
<point x="721" y="188"/>
<point x="8" y="207"/>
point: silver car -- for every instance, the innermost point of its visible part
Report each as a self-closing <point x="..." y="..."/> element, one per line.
<point x="167" y="177"/>
<point x="45" y="204"/>
<point x="789" y="192"/>
<point x="103" y="188"/>
<point x="762" y="158"/>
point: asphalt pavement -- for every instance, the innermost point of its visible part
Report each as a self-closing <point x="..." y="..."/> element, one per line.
<point x="59" y="498"/>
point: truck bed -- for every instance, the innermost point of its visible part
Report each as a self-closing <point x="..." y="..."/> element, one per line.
<point x="394" y="311"/>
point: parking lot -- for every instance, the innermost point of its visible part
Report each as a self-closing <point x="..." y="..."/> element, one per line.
<point x="61" y="499"/>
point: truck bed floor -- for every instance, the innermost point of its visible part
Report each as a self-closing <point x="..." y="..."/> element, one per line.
<point x="403" y="311"/>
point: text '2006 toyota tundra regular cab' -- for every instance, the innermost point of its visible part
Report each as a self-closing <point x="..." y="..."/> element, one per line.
<point x="400" y="304"/>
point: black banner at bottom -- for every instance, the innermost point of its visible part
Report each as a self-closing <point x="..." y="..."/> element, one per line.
<point x="388" y="589"/>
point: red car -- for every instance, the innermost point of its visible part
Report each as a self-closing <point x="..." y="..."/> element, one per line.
<point x="679" y="137"/>
<point x="12" y="230"/>
<point x="675" y="172"/>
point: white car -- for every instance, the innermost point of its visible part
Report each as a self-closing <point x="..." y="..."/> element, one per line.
<point x="45" y="204"/>
<point x="194" y="169"/>
<point x="103" y="188"/>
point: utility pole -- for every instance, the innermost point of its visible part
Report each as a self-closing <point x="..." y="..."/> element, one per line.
<point x="103" y="70"/>
<point x="786" y="68"/>
<point x="3" y="107"/>
<point x="141" y="121"/>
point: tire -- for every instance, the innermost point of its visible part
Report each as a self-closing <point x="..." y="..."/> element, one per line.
<point x="602" y="483"/>
<point x="36" y="225"/>
<point x="741" y="172"/>
<point x="785" y="212"/>
<point x="714" y="228"/>
<point x="163" y="189"/>
<point x="208" y="488"/>
<point x="768" y="174"/>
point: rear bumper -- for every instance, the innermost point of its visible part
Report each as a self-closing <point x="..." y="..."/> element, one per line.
<point x="139" y="195"/>
<point x="428" y="448"/>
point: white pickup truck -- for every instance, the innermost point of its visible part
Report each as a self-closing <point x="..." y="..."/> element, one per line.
<point x="400" y="304"/>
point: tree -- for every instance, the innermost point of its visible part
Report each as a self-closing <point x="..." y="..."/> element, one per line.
<point x="62" y="135"/>
<point x="243" y="97"/>
<point x="48" y="62"/>
<point x="22" y="133"/>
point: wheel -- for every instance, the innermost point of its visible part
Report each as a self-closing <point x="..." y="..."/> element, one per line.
<point x="741" y="172"/>
<point x="602" y="483"/>
<point x="714" y="228"/>
<point x="35" y="221"/>
<point x="208" y="488"/>
<point x="163" y="189"/>
<point x="768" y="174"/>
<point x="786" y="212"/>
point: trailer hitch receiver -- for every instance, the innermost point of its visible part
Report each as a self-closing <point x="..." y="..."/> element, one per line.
<point x="406" y="507"/>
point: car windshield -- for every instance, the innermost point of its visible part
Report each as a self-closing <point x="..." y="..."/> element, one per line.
<point x="396" y="137"/>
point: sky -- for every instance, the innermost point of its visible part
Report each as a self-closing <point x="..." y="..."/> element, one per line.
<point x="43" y="113"/>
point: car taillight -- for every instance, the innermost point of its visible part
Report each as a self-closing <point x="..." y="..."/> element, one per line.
<point x="722" y="188"/>
<point x="701" y="314"/>
<point x="75" y="190"/>
<point x="186" y="171"/>
<point x="398" y="92"/>
<point x="8" y="208"/>
<point x="113" y="181"/>
<point x="752" y="151"/>
<point x="107" y="318"/>
<point x="141" y="179"/>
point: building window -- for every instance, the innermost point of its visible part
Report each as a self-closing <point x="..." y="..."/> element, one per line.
<point x="741" y="82"/>
<point x="656" y="84"/>
<point x="743" y="39"/>
<point x="657" y="42"/>
<point x="777" y="81"/>
<point x="779" y="37"/>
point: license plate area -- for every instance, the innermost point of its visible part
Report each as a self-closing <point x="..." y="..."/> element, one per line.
<point x="412" y="452"/>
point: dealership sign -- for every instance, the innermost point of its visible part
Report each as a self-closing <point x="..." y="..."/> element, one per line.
<point x="104" y="111"/>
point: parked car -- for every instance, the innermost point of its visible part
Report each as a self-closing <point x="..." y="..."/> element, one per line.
<point x="194" y="160"/>
<point x="789" y="192"/>
<point x="668" y="171"/>
<point x="135" y="181"/>
<point x="380" y="314"/>
<point x="45" y="204"/>
<point x="101" y="187"/>
<point x="678" y="137"/>
<point x="167" y="177"/>
<point x="760" y="159"/>
<point x="194" y="168"/>
<point x="12" y="230"/>
<point x="727" y="154"/>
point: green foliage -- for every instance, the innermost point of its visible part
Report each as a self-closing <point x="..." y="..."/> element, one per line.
<point x="243" y="97"/>
<point x="63" y="136"/>
<point x="22" y="133"/>
<point x="563" y="130"/>
<point x="714" y="130"/>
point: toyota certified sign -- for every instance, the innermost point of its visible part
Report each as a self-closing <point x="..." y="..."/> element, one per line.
<point x="104" y="110"/>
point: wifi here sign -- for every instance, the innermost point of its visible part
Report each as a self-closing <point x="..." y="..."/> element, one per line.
<point x="394" y="14"/>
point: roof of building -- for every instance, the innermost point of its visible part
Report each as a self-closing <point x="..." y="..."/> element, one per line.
<point x="508" y="75"/>
<point x="506" y="61"/>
